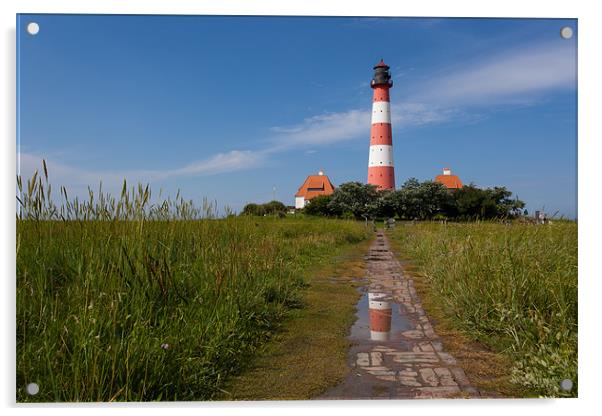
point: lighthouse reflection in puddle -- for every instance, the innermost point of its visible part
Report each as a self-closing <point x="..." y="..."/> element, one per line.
<point x="380" y="310"/>
<point x="379" y="318"/>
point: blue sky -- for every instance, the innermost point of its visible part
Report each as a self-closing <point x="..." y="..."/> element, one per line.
<point x="230" y="107"/>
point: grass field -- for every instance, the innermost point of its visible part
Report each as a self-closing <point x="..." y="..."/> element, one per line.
<point x="122" y="299"/>
<point x="512" y="287"/>
<point x="310" y="352"/>
<point x="119" y="300"/>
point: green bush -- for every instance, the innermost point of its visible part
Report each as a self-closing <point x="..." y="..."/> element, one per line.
<point x="269" y="208"/>
<point x="319" y="206"/>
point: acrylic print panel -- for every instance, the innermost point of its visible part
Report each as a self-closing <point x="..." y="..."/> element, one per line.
<point x="266" y="208"/>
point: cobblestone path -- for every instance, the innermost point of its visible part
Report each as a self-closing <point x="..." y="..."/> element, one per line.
<point x="396" y="352"/>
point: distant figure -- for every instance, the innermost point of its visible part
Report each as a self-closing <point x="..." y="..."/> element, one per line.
<point x="390" y="223"/>
<point x="542" y="218"/>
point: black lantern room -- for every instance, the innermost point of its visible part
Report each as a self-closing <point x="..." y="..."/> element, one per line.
<point x="381" y="75"/>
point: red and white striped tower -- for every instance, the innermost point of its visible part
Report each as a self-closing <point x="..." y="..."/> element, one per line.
<point x="380" y="162"/>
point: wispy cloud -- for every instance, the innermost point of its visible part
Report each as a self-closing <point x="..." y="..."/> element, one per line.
<point x="63" y="173"/>
<point x="411" y="114"/>
<point x="349" y="125"/>
<point x="234" y="160"/>
<point x="322" y="129"/>
<point x="510" y="76"/>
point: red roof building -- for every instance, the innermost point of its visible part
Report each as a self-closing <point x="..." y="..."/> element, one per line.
<point x="451" y="182"/>
<point x="313" y="186"/>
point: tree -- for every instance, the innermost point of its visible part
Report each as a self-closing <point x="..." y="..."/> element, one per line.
<point x="506" y="206"/>
<point x="319" y="206"/>
<point x="432" y="198"/>
<point x="253" y="209"/>
<point x="416" y="200"/>
<point x="386" y="204"/>
<point x="274" y="207"/>
<point x="357" y="198"/>
<point x="473" y="202"/>
<point x="270" y="208"/>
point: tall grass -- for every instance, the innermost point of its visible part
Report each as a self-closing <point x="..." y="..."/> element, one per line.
<point x="120" y="300"/>
<point x="513" y="287"/>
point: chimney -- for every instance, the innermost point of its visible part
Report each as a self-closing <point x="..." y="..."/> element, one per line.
<point x="446" y="171"/>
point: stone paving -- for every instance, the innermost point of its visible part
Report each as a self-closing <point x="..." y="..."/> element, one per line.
<point x="403" y="360"/>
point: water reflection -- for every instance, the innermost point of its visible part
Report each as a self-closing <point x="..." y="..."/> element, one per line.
<point x="380" y="310"/>
<point x="379" y="318"/>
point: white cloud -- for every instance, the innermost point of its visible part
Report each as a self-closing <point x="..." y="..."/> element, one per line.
<point x="510" y="76"/>
<point x="351" y="125"/>
<point x="408" y="114"/>
<point x="222" y="162"/>
<point x="63" y="174"/>
<point x="323" y="129"/>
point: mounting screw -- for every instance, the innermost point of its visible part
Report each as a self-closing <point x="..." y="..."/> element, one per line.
<point x="566" y="384"/>
<point x="566" y="32"/>
<point x="32" y="389"/>
<point x="33" y="28"/>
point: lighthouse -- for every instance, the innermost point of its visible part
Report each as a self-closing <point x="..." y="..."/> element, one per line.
<point x="380" y="161"/>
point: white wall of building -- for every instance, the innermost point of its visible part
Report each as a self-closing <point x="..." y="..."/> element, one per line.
<point x="299" y="202"/>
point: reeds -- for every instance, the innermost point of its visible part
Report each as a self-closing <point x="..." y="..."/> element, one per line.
<point x="512" y="286"/>
<point x="120" y="299"/>
<point x="35" y="202"/>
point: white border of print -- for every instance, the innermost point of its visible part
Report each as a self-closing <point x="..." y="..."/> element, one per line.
<point x="589" y="184"/>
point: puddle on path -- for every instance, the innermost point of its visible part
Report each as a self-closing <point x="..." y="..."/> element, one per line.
<point x="358" y="280"/>
<point x="395" y="353"/>
<point x="379" y="319"/>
